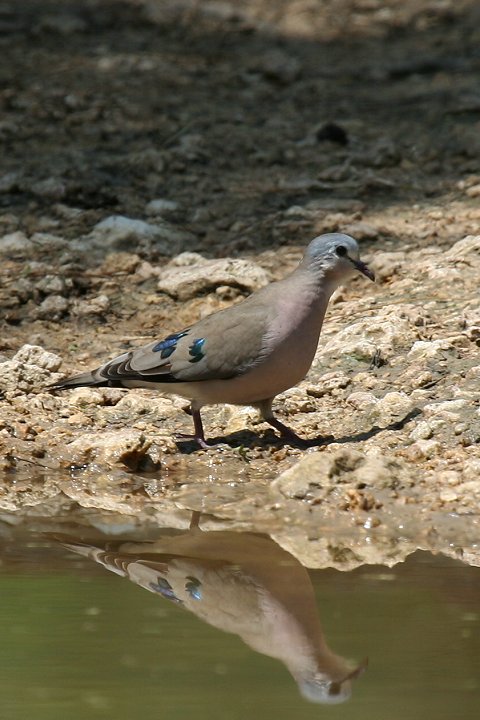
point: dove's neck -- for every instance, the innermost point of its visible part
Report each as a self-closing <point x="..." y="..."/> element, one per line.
<point x="310" y="287"/>
<point x="299" y="308"/>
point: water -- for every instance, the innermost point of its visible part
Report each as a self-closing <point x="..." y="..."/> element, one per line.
<point x="229" y="626"/>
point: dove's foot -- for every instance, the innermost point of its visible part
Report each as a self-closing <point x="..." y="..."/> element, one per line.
<point x="198" y="436"/>
<point x="287" y="433"/>
<point x="201" y="442"/>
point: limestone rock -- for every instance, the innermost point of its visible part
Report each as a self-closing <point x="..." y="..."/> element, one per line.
<point x="85" y="396"/>
<point x="362" y="400"/>
<point x="430" y="350"/>
<point x="470" y="321"/>
<point x="317" y="475"/>
<point x="185" y="283"/>
<point x="16" y="242"/>
<point x="30" y="369"/>
<point x="468" y="247"/>
<point x="94" y="306"/>
<point x="387" y="264"/>
<point x="122" y="233"/>
<point x="162" y="207"/>
<point x="53" y="307"/>
<point x="393" y="407"/>
<point x="422" y="431"/>
<point x="36" y="355"/>
<point x="381" y="334"/>
<point x="329" y="384"/>
<point x="51" y="285"/>
<point x="187" y="258"/>
<point x="447" y="408"/>
<point x="127" y="447"/>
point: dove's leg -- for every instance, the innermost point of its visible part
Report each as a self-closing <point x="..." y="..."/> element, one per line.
<point x="198" y="435"/>
<point x="265" y="408"/>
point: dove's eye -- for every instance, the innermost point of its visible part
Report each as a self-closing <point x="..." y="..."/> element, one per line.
<point x="341" y="250"/>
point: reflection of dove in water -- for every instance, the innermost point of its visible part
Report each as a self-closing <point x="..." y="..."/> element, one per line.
<point x="243" y="584"/>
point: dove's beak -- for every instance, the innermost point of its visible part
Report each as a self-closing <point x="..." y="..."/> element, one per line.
<point x="364" y="269"/>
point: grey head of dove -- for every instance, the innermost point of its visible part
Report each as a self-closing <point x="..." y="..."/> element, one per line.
<point x="249" y="352"/>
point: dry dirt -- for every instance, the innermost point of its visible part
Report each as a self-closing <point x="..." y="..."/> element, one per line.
<point x="241" y="130"/>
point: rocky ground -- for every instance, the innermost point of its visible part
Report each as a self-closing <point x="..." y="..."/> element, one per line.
<point x="161" y="160"/>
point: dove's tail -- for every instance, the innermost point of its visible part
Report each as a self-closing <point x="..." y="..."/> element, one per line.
<point x="87" y="379"/>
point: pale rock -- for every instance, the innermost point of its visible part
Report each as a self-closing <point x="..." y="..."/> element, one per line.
<point x="473" y="191"/>
<point x="382" y="334"/>
<point x="51" y="285"/>
<point x="239" y="419"/>
<point x="120" y="262"/>
<point x="44" y="402"/>
<point x="24" y="289"/>
<point x="127" y="447"/>
<point x="53" y="307"/>
<point x="298" y="211"/>
<point x="448" y="495"/>
<point x="85" y="396"/>
<point x="122" y="233"/>
<point x="184" y="283"/>
<point x="473" y="373"/>
<point x="470" y="321"/>
<point x="16" y="242"/>
<point x="329" y="384"/>
<point x="430" y="350"/>
<point x="146" y="271"/>
<point x="419" y="380"/>
<point x="362" y="231"/>
<point x="362" y="400"/>
<point x="136" y="403"/>
<point x="17" y="378"/>
<point x="161" y="206"/>
<point x="187" y="259"/>
<point x="423" y="449"/>
<point x="37" y="355"/>
<point x="317" y="474"/>
<point x="366" y="380"/>
<point x="387" y="264"/>
<point x="94" y="306"/>
<point x="444" y="275"/>
<point x="422" y="431"/>
<point x="394" y="406"/>
<point x="469" y="248"/>
<point x="295" y="400"/>
<point x="79" y="419"/>
<point x="452" y="408"/>
<point x="357" y="348"/>
<point x="471" y="470"/>
<point x="449" y="477"/>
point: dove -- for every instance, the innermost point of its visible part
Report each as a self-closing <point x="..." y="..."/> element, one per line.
<point x="248" y="353"/>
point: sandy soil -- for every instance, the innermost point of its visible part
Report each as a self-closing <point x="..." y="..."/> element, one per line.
<point x="241" y="130"/>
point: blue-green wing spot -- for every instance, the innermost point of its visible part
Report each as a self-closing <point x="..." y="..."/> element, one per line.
<point x="193" y="588"/>
<point x="196" y="350"/>
<point x="167" y="346"/>
<point x="164" y="588"/>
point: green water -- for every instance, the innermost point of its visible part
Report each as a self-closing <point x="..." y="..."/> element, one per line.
<point x="78" y="641"/>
